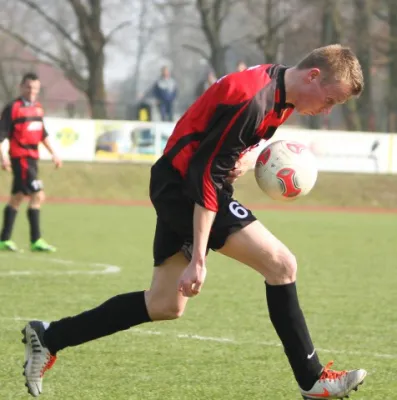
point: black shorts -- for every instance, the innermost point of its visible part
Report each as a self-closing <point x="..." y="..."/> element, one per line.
<point x="25" y="171"/>
<point x="174" y="228"/>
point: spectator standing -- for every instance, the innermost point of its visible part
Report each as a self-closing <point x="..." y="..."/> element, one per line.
<point x="165" y="92"/>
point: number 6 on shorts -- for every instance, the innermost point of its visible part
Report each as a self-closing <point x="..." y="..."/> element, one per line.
<point x="238" y="210"/>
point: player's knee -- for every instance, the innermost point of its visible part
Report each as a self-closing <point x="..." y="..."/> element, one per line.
<point x="162" y="309"/>
<point x="166" y="312"/>
<point x="284" y="267"/>
<point x="37" y="199"/>
<point x="41" y="196"/>
<point x="173" y="312"/>
<point x="16" y="200"/>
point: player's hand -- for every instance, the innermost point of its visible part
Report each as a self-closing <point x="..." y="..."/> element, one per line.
<point x="234" y="174"/>
<point x="192" y="279"/>
<point x="57" y="161"/>
<point x="6" y="165"/>
<point x="239" y="169"/>
<point x="243" y="165"/>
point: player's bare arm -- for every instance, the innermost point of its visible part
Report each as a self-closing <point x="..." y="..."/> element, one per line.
<point x="193" y="277"/>
<point x="4" y="132"/>
<point x="56" y="160"/>
<point x="5" y="161"/>
<point x="244" y="164"/>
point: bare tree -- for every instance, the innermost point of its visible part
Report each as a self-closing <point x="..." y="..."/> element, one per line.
<point x="146" y="24"/>
<point x="362" y="24"/>
<point x="271" y="17"/>
<point x="11" y="69"/>
<point x="144" y="35"/>
<point x="392" y="56"/>
<point x="333" y="33"/>
<point x="87" y="43"/>
<point x="212" y="16"/>
<point x="196" y="26"/>
<point x="12" y="62"/>
<point x="385" y="44"/>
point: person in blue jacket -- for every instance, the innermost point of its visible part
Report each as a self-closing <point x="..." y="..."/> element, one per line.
<point x="165" y="92"/>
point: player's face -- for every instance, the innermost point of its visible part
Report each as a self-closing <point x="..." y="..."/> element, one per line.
<point x="30" y="89"/>
<point x="316" y="98"/>
<point x="165" y="72"/>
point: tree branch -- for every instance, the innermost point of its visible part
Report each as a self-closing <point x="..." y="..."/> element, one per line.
<point x="171" y="4"/>
<point x="4" y="83"/>
<point x="79" y="9"/>
<point x="114" y="30"/>
<point x="73" y="69"/>
<point x="81" y="15"/>
<point x="196" y="50"/>
<point x="52" y="22"/>
<point x="217" y="10"/>
<point x="274" y="28"/>
<point x="34" y="47"/>
<point x="209" y="27"/>
<point x="246" y="38"/>
<point x="77" y="80"/>
<point x="224" y="10"/>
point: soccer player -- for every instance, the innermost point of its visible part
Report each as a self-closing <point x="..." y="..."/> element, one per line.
<point x="191" y="190"/>
<point x="22" y="124"/>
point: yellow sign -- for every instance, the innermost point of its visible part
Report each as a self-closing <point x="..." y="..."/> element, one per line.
<point x="67" y="136"/>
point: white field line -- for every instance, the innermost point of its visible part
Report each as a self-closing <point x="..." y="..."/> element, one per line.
<point x="230" y="341"/>
<point x="259" y="343"/>
<point x="95" y="268"/>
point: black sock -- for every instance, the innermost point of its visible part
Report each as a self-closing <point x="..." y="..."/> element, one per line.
<point x="289" y="322"/>
<point x="116" y="314"/>
<point x="34" y="222"/>
<point x="10" y="214"/>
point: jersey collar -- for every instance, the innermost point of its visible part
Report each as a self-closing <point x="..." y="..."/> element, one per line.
<point x="280" y="95"/>
<point x="27" y="103"/>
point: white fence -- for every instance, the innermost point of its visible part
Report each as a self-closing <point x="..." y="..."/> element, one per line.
<point x="348" y="151"/>
<point x="134" y="141"/>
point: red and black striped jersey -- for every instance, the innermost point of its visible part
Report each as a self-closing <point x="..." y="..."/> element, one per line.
<point x="234" y="114"/>
<point x="22" y="123"/>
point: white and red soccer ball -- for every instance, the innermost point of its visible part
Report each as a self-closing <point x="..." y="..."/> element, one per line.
<point x="286" y="170"/>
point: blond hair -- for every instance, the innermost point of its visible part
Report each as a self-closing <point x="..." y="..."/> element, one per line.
<point x="338" y="63"/>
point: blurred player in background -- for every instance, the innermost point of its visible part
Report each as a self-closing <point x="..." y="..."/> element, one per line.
<point x="22" y="124"/>
<point x="191" y="190"/>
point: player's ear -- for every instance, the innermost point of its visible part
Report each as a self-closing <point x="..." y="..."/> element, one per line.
<point x="313" y="74"/>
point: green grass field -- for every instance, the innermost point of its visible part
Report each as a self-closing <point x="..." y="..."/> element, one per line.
<point x="130" y="182"/>
<point x="224" y="347"/>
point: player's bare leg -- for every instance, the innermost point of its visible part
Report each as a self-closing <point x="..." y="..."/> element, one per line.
<point x="162" y="301"/>
<point x="256" y="247"/>
<point x="10" y="214"/>
<point x="16" y="200"/>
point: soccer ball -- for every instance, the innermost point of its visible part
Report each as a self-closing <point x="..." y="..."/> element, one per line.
<point x="286" y="170"/>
